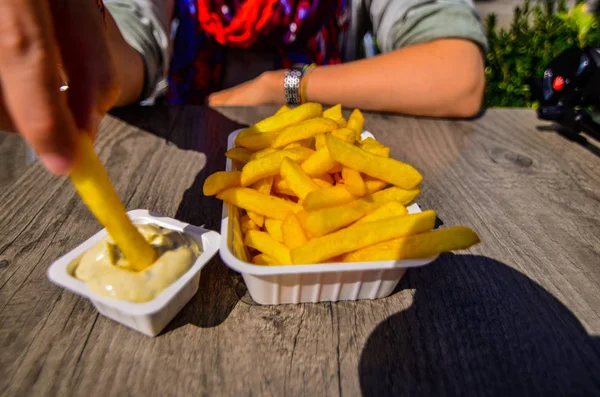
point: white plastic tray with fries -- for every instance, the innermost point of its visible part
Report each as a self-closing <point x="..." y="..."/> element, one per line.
<point x="315" y="210"/>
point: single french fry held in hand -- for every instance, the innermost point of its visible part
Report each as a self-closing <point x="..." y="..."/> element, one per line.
<point x="330" y="197"/>
<point x="239" y="154"/>
<point x="321" y="222"/>
<point x="292" y="232"/>
<point x="297" y="180"/>
<point x="258" y="219"/>
<point x="424" y="245"/>
<point x="334" y="113"/>
<point x="221" y="180"/>
<point x="354" y="182"/>
<point x="356" y="122"/>
<point x="387" y="169"/>
<point x="357" y="237"/>
<point x="268" y="245"/>
<point x="270" y="164"/>
<point x="387" y="210"/>
<point x="306" y="129"/>
<point x="264" y="259"/>
<point x="95" y="189"/>
<point x="251" y="200"/>
<point x="273" y="227"/>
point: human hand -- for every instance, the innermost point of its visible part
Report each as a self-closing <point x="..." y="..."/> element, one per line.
<point x="265" y="89"/>
<point x="35" y="37"/>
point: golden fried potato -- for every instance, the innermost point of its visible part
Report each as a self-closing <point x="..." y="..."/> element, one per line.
<point x="264" y="259"/>
<point x="330" y="197"/>
<point x="334" y="113"/>
<point x="298" y="181"/>
<point x="354" y="182"/>
<point x="95" y="189"/>
<point x="264" y="185"/>
<point x="273" y="227"/>
<point x="239" y="154"/>
<point x="323" y="221"/>
<point x="419" y="246"/>
<point x="220" y="181"/>
<point x="356" y="123"/>
<point x="387" y="169"/>
<point x="251" y="200"/>
<point x="320" y="162"/>
<point x="387" y="210"/>
<point x="304" y="130"/>
<point x="360" y="236"/>
<point x="292" y="232"/>
<point x="247" y="224"/>
<point x="345" y="134"/>
<point x="262" y="153"/>
<point x="269" y="165"/>
<point x="268" y="245"/>
<point x="257" y="141"/>
<point x="258" y="219"/>
<point x="282" y="109"/>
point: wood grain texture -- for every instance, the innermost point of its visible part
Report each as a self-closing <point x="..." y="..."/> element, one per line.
<point x="517" y="315"/>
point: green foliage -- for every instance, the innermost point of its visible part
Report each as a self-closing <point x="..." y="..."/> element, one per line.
<point x="540" y="30"/>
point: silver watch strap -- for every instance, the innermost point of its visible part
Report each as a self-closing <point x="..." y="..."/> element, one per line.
<point x="291" y="85"/>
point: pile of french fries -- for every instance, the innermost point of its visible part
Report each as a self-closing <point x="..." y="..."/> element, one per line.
<point x="312" y="191"/>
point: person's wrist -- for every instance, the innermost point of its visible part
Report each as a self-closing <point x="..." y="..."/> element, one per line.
<point x="273" y="86"/>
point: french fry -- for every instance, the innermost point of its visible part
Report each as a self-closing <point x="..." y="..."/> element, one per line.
<point x="95" y="189"/>
<point x="334" y="113"/>
<point x="379" y="150"/>
<point x="393" y="193"/>
<point x="264" y="185"/>
<point x="298" y="181"/>
<point x="321" y="184"/>
<point x="258" y="219"/>
<point x="280" y="121"/>
<point x="280" y="186"/>
<point x="357" y="237"/>
<point x="387" y="169"/>
<point x="356" y="122"/>
<point x="270" y="164"/>
<point x="264" y="259"/>
<point x="239" y="154"/>
<point x="282" y="109"/>
<point x="247" y="224"/>
<point x="419" y="246"/>
<point x="292" y="232"/>
<point x="387" y="210"/>
<point x="220" y="181"/>
<point x="273" y="227"/>
<point x="345" y="134"/>
<point x="257" y="141"/>
<point x="342" y="122"/>
<point x="304" y="130"/>
<point x="327" y="178"/>
<point x="320" y="162"/>
<point x="251" y="200"/>
<point x="338" y="178"/>
<point x="336" y="169"/>
<point x="320" y="141"/>
<point x="307" y="143"/>
<point x="370" y="140"/>
<point x="268" y="245"/>
<point x="354" y="182"/>
<point x="330" y="197"/>
<point x="327" y="220"/>
<point x="373" y="184"/>
<point x="262" y="153"/>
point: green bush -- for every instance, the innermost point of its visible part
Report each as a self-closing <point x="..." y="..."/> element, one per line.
<point x="540" y="30"/>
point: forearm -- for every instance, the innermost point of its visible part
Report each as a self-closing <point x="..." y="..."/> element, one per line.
<point x="443" y="78"/>
<point x="128" y="62"/>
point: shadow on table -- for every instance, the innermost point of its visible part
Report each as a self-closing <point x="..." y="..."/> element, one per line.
<point x="589" y="144"/>
<point x="201" y="129"/>
<point x="479" y="328"/>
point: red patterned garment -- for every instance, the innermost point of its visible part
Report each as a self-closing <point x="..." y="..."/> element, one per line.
<point x="296" y="31"/>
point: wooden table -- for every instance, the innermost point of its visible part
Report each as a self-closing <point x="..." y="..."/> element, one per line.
<point x="517" y="315"/>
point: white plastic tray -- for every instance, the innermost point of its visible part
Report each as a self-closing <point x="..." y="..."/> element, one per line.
<point x="149" y="317"/>
<point x="273" y="285"/>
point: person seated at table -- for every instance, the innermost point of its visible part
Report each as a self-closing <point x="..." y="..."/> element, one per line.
<point x="228" y="52"/>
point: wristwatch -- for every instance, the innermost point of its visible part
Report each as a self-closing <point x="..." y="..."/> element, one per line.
<point x="294" y="84"/>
